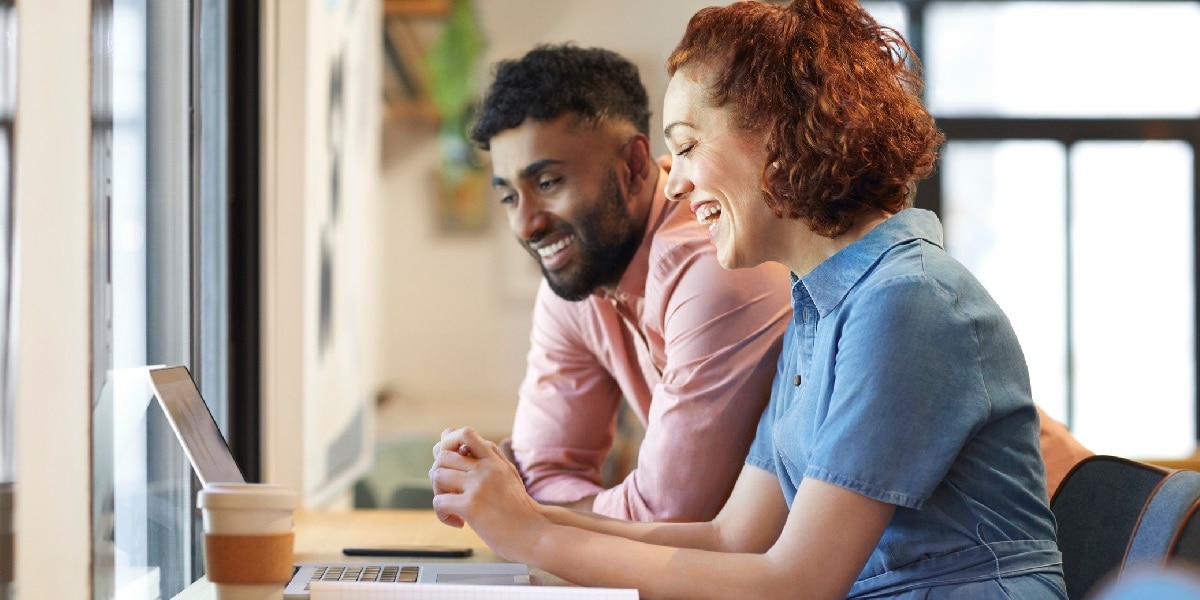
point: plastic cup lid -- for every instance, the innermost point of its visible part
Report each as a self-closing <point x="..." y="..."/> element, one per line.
<point x="259" y="496"/>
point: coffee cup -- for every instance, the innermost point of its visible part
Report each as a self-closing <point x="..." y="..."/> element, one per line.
<point x="248" y="539"/>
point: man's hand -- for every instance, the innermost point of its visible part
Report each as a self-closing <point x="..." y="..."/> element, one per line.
<point x="665" y="161"/>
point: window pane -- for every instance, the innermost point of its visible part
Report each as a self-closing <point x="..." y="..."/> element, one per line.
<point x="8" y="475"/>
<point x="213" y="329"/>
<point x="891" y="14"/>
<point x="142" y="487"/>
<point x="1133" y="302"/>
<point x="1042" y="59"/>
<point x="1004" y="215"/>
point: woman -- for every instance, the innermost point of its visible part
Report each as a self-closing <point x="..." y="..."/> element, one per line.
<point x="898" y="457"/>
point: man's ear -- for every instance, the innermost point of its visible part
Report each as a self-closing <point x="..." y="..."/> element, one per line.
<point x="636" y="154"/>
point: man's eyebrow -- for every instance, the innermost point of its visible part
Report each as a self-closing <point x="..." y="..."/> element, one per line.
<point x="538" y="166"/>
<point x="530" y="170"/>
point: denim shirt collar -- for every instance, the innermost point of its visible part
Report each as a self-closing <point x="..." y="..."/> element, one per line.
<point x="831" y="280"/>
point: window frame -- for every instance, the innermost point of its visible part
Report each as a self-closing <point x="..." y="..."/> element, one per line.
<point x="1067" y="131"/>
<point x="186" y="167"/>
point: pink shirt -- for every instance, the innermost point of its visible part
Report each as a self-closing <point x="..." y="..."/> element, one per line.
<point x="692" y="348"/>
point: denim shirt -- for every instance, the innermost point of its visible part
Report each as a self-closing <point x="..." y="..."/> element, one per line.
<point x="901" y="379"/>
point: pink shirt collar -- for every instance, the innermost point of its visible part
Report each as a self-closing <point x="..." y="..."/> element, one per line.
<point x="633" y="280"/>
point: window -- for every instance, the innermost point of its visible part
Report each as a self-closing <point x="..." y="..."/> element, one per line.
<point x="161" y="244"/>
<point x="1062" y="59"/>
<point x="1068" y="185"/>
<point x="8" y="97"/>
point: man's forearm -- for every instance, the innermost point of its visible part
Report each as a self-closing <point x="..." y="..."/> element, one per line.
<point x="584" y="503"/>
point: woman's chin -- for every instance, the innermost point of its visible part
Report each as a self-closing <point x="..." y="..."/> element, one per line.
<point x="727" y="259"/>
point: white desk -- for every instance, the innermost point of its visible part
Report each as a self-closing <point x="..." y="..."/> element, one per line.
<point x="321" y="535"/>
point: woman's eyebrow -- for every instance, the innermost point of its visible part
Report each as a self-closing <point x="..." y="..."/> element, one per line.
<point x="669" y="128"/>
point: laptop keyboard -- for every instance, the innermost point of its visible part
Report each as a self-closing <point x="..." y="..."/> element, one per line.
<point x="384" y="573"/>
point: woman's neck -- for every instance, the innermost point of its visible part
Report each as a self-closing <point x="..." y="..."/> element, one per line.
<point x="810" y="249"/>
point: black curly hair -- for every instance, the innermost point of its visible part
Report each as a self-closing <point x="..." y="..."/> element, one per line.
<point x="553" y="80"/>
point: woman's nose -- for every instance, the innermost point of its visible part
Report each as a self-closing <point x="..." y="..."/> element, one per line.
<point x="678" y="186"/>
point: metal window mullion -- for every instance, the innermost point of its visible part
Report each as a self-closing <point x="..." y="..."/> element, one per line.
<point x="1069" y="276"/>
<point x="210" y="213"/>
<point x="169" y="267"/>
<point x="168" y="188"/>
<point x="210" y="91"/>
<point x="1194" y="142"/>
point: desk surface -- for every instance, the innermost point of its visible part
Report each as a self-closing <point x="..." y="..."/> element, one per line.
<point x="321" y="535"/>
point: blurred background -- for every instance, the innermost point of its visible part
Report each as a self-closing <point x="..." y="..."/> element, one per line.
<point x="278" y="194"/>
<point x="1067" y="185"/>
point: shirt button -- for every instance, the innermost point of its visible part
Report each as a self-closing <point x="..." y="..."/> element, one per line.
<point x="796" y="379"/>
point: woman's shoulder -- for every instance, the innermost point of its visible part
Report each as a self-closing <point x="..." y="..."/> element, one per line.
<point x="916" y="268"/>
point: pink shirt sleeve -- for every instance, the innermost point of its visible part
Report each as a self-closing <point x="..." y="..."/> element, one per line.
<point x="717" y="333"/>
<point x="566" y="412"/>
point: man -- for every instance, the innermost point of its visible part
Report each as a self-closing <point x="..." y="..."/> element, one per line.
<point x="633" y="304"/>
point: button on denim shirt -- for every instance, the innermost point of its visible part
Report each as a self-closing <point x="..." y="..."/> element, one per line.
<point x="902" y="380"/>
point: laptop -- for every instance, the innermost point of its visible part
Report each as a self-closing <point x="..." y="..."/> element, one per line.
<point x="210" y="457"/>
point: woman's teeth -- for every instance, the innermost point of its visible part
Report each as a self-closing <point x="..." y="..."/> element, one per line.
<point x="707" y="212"/>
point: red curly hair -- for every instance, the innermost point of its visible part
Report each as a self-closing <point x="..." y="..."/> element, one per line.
<point x="832" y="91"/>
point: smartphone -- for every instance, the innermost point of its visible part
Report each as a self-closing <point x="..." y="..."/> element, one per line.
<point x="418" y="551"/>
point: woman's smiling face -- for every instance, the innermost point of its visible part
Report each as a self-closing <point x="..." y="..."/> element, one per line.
<point x="716" y="169"/>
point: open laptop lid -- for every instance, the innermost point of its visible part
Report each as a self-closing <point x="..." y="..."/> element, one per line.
<point x="194" y="425"/>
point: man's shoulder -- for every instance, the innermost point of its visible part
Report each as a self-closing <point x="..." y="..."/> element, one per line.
<point x="679" y="239"/>
<point x="681" y="250"/>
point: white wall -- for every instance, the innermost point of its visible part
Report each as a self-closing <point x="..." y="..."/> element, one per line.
<point x="53" y="306"/>
<point x="317" y="380"/>
<point x="456" y="321"/>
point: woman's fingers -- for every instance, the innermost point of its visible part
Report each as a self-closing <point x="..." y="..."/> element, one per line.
<point x="444" y="443"/>
<point x="455" y="456"/>
<point x="457" y="440"/>
<point x="444" y="508"/>
<point x="465" y="466"/>
<point x="470" y="443"/>
<point x="451" y="459"/>
<point x="447" y="482"/>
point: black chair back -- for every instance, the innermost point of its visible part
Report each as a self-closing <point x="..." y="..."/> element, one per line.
<point x="1114" y="513"/>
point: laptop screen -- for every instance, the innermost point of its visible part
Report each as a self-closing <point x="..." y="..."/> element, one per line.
<point x="194" y="425"/>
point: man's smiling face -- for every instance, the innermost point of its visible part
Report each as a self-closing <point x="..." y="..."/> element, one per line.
<point x="558" y="182"/>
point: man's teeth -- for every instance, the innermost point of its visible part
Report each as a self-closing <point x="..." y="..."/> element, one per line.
<point x="552" y="249"/>
<point x="706" y="213"/>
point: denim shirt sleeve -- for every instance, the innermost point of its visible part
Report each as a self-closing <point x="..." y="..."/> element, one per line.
<point x="908" y="391"/>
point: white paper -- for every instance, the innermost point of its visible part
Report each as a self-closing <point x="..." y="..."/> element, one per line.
<point x="334" y="590"/>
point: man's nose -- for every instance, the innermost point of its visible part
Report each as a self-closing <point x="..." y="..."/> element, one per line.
<point x="529" y="220"/>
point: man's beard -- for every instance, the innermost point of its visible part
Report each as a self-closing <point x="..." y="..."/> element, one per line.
<point x="606" y="238"/>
